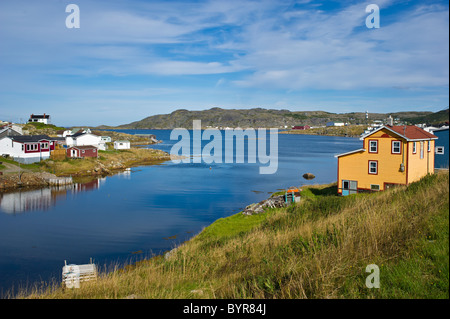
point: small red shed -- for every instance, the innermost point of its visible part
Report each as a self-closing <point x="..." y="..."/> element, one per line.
<point x="303" y="127"/>
<point x="82" y="151"/>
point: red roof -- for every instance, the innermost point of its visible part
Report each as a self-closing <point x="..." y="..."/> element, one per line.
<point x="411" y="132"/>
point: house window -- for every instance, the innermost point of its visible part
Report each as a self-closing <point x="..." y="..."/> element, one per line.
<point x="22" y="147"/>
<point x="414" y="148"/>
<point x="429" y="146"/>
<point x="396" y="147"/>
<point x="421" y="150"/>
<point x="439" y="150"/>
<point x="345" y="185"/>
<point x="373" y="167"/>
<point x="373" y="146"/>
<point x="374" y="187"/>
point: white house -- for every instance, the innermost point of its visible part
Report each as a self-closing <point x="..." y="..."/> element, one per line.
<point x="27" y="148"/>
<point x="121" y="145"/>
<point x="45" y="118"/>
<point x="82" y="139"/>
<point x="106" y="139"/>
<point x="335" y="124"/>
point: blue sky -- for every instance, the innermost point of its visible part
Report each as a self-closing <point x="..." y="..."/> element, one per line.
<point x="135" y="58"/>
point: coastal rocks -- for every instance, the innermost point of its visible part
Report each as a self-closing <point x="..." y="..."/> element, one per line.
<point x="272" y="202"/>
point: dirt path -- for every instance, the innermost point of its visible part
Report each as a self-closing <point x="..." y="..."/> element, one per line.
<point x="11" y="168"/>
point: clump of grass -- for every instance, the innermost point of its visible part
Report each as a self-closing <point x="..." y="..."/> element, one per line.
<point x="318" y="248"/>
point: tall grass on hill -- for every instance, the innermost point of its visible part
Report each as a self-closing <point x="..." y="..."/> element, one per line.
<point x="318" y="248"/>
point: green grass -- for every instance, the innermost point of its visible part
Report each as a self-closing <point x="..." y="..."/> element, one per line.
<point x="232" y="226"/>
<point x="35" y="167"/>
<point x="41" y="126"/>
<point x="318" y="248"/>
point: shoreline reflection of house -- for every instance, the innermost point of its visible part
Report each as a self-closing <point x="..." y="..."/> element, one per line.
<point x="44" y="198"/>
<point x="88" y="186"/>
<point x="32" y="200"/>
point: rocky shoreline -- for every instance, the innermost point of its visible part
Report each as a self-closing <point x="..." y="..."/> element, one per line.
<point x="58" y="172"/>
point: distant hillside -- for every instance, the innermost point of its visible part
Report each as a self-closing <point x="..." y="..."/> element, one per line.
<point x="258" y="117"/>
<point x="430" y="119"/>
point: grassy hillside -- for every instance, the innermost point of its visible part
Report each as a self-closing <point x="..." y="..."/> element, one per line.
<point x="258" y="117"/>
<point x="318" y="248"/>
<point x="349" y="131"/>
<point x="437" y="118"/>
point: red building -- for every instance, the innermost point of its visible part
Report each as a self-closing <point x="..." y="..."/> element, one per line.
<point x="82" y="151"/>
<point x="304" y="127"/>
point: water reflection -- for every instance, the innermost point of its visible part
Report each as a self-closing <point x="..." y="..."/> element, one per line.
<point x="42" y="199"/>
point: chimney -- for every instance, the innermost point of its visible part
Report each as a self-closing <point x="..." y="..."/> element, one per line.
<point x="390" y="121"/>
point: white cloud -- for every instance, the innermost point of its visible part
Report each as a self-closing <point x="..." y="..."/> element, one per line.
<point x="327" y="53"/>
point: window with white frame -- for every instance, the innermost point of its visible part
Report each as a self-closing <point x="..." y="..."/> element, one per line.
<point x="414" y="148"/>
<point x="396" y="147"/>
<point x="374" y="187"/>
<point x="373" y="146"/>
<point x="429" y="146"/>
<point x="373" y="167"/>
<point x="439" y="150"/>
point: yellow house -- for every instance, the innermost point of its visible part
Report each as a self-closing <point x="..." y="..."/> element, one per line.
<point x="391" y="155"/>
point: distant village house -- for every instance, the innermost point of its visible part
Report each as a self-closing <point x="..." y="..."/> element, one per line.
<point x="301" y="127"/>
<point x="82" y="151"/>
<point x="81" y="139"/>
<point x="45" y="118"/>
<point x="121" y="145"/>
<point x="27" y="149"/>
<point x="335" y="124"/>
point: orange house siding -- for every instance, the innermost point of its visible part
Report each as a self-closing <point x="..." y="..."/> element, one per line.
<point x="417" y="166"/>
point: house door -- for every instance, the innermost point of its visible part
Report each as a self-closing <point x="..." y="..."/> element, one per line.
<point x="74" y="153"/>
<point x="349" y="187"/>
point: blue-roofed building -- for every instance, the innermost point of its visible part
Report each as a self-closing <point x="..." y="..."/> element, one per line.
<point x="441" y="148"/>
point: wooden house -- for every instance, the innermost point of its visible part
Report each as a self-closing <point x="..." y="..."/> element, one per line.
<point x="27" y="148"/>
<point x="441" y="148"/>
<point x="301" y="127"/>
<point x="390" y="155"/>
<point x="39" y="118"/>
<point x="81" y="138"/>
<point x="82" y="151"/>
<point x="121" y="145"/>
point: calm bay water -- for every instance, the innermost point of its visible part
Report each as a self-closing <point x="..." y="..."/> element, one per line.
<point x="145" y="210"/>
